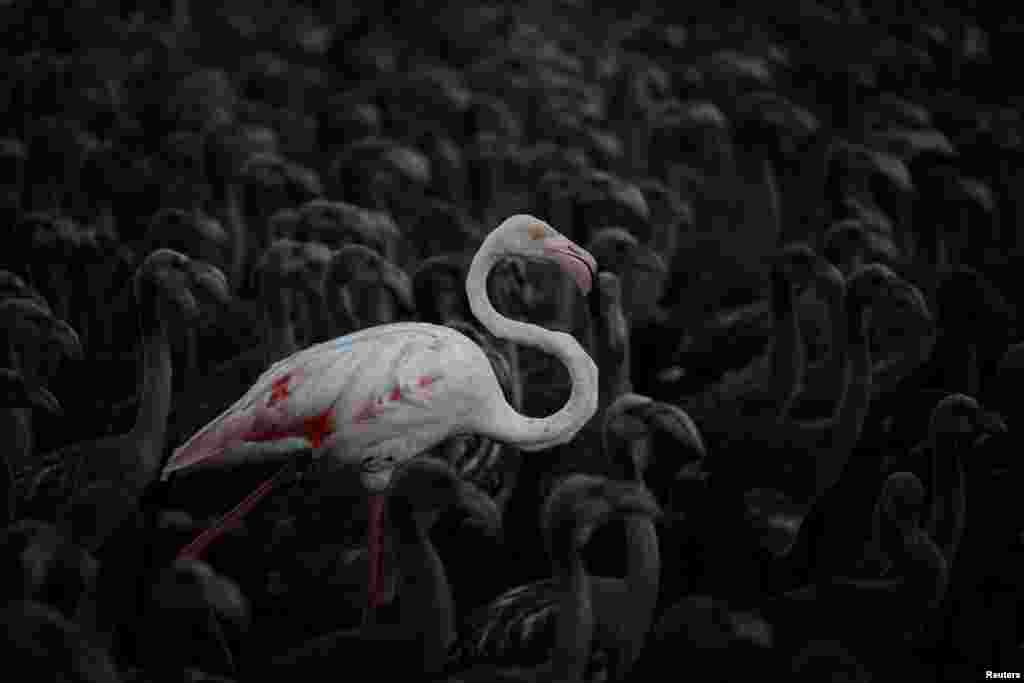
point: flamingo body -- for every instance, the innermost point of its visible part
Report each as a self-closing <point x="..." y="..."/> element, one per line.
<point x="373" y="399"/>
<point x="378" y="397"/>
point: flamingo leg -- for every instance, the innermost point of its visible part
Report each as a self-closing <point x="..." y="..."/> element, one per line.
<point x="196" y="548"/>
<point x="374" y="534"/>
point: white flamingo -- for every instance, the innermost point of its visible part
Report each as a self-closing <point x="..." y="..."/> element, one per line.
<point x="380" y="396"/>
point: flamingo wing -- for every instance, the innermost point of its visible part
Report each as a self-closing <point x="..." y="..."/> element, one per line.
<point x="284" y="400"/>
<point x="368" y="388"/>
<point x="517" y="628"/>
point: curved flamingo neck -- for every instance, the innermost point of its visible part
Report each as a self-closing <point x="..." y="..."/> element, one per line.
<point x="281" y="340"/>
<point x="947" y="496"/>
<point x="787" y="352"/>
<point x="16" y="427"/>
<point x="760" y="204"/>
<point x="504" y="423"/>
<point x="320" y="317"/>
<point x="343" y="316"/>
<point x="612" y="347"/>
<point x="835" y="362"/>
<point x="908" y="358"/>
<point x="155" y="394"/>
<point x="385" y="305"/>
<point x="854" y="402"/>
<point x="235" y="224"/>
<point x="643" y="582"/>
<point x="16" y="421"/>
<point x="574" y="627"/>
<point x="57" y="280"/>
<point x="427" y="606"/>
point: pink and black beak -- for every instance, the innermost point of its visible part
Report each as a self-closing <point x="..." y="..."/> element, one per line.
<point x="480" y="509"/>
<point x="574" y="260"/>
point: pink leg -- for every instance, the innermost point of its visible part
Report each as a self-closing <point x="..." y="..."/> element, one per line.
<point x="374" y="534"/>
<point x="196" y="548"/>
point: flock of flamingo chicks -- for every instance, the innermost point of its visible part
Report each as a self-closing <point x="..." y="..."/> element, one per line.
<point x="804" y="368"/>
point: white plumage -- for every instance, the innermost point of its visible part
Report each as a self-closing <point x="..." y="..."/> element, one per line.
<point x="370" y="396"/>
<point x="381" y="396"/>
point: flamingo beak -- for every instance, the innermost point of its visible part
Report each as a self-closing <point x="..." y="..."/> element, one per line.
<point x="41" y="397"/>
<point x="186" y="301"/>
<point x="992" y="423"/>
<point x="646" y="258"/>
<point x="482" y="511"/>
<point x="68" y="339"/>
<point x="693" y="472"/>
<point x="398" y="282"/>
<point x="216" y="591"/>
<point x="912" y="298"/>
<point x="609" y="288"/>
<point x="619" y="499"/>
<point x="214" y="284"/>
<point x="626" y="418"/>
<point x="676" y="423"/>
<point x="574" y="260"/>
<point x="628" y="498"/>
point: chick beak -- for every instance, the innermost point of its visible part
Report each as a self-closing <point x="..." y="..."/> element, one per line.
<point x="68" y="339"/>
<point x="627" y="498"/>
<point x="992" y="423"/>
<point x="481" y="509"/>
<point x="692" y="472"/>
<point x="214" y="285"/>
<point x="41" y="397"/>
<point x="398" y="282"/>
<point x="671" y="421"/>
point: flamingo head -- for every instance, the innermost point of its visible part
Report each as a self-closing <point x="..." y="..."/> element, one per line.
<point x="360" y="265"/>
<point x="632" y="417"/>
<point x="39" y="636"/>
<point x="193" y="586"/>
<point x="532" y="238"/>
<point x="46" y="565"/>
<point x="431" y="486"/>
<point x="13" y="154"/>
<point x="959" y="419"/>
<point x="13" y="285"/>
<point x="581" y="503"/>
<point x="31" y="324"/>
<point x="191" y="232"/>
<point x="799" y="264"/>
<point x="439" y="291"/>
<point x="299" y="265"/>
<point x="902" y="499"/>
<point x="905" y="315"/>
<point x="824" y="659"/>
<point x="177" y="284"/>
<point x="873" y="283"/>
<point x="16" y="391"/>
<point x="846" y="244"/>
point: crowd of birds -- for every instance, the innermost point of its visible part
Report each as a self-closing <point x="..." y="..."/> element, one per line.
<point x="803" y="317"/>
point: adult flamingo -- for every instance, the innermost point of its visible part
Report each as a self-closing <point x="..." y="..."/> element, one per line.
<point x="380" y="396"/>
